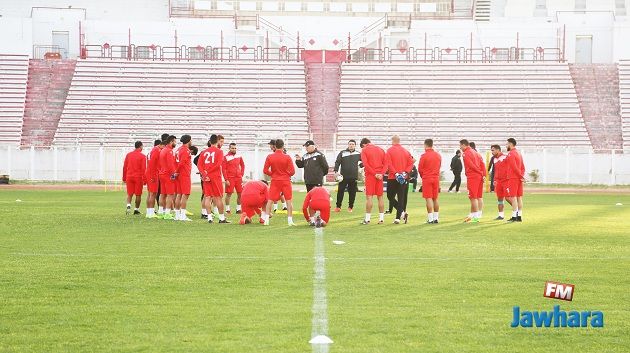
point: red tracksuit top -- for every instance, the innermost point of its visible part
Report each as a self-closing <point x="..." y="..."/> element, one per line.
<point x="472" y="163"/>
<point x="279" y="166"/>
<point x="210" y="162"/>
<point x="153" y="168"/>
<point x="168" y="166"/>
<point x="317" y="194"/>
<point x="233" y="166"/>
<point x="500" y="167"/>
<point x="184" y="161"/>
<point x="256" y="190"/>
<point x="135" y="165"/>
<point x="515" y="167"/>
<point x="374" y="160"/>
<point x="398" y="160"/>
<point x="429" y="165"/>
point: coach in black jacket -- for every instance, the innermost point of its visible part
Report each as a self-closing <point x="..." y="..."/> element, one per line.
<point x="347" y="164"/>
<point x="314" y="164"/>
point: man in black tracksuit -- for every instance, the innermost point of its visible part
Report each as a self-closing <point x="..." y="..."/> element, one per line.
<point x="456" y="168"/>
<point x="314" y="164"/>
<point x="348" y="160"/>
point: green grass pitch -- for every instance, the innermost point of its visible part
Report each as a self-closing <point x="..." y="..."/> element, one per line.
<point x="77" y="275"/>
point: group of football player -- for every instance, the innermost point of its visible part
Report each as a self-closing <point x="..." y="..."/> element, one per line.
<point x="167" y="173"/>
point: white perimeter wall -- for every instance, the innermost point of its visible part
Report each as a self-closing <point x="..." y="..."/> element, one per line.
<point x="562" y="166"/>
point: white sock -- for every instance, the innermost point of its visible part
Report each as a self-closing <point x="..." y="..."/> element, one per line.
<point x="222" y="217"/>
<point x="368" y="216"/>
<point x="284" y="205"/>
<point x="519" y="213"/>
<point x="514" y="213"/>
<point x="182" y="213"/>
<point x="381" y="217"/>
<point x="431" y="217"/>
<point x="275" y="206"/>
<point x="501" y="214"/>
<point x="204" y="211"/>
<point x="167" y="210"/>
<point x="149" y="211"/>
<point x="215" y="210"/>
<point x="128" y="205"/>
<point x="265" y="217"/>
<point x="238" y="207"/>
<point x="289" y="220"/>
<point x="436" y="216"/>
<point x="177" y="213"/>
<point x="227" y="208"/>
<point x="160" y="210"/>
<point x="312" y="219"/>
<point x="210" y="217"/>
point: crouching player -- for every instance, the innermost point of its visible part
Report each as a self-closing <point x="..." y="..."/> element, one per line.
<point x="254" y="197"/>
<point x="316" y="207"/>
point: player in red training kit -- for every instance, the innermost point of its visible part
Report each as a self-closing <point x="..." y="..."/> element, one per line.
<point x="484" y="170"/>
<point x="375" y="163"/>
<point x="209" y="164"/>
<point x="233" y="170"/>
<point x="429" y="170"/>
<point x="515" y="174"/>
<point x="500" y="178"/>
<point x="168" y="175"/>
<point x="474" y="182"/>
<point x="317" y="204"/>
<point x="183" y="182"/>
<point x="152" y="177"/>
<point x="399" y="166"/>
<point x="254" y="200"/>
<point x="279" y="167"/>
<point x="134" y="175"/>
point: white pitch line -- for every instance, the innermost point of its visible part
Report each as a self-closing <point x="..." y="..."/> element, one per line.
<point x="319" y="332"/>
<point x="334" y="258"/>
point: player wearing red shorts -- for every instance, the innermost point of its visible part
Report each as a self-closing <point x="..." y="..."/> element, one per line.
<point x="183" y="181"/>
<point x="253" y="200"/>
<point x="515" y="178"/>
<point x="280" y="168"/>
<point x="317" y="204"/>
<point x="374" y="161"/>
<point x="134" y="175"/>
<point x="152" y="177"/>
<point x="484" y="174"/>
<point x="168" y="175"/>
<point x="474" y="182"/>
<point x="210" y="162"/>
<point x="233" y="171"/>
<point x="500" y="178"/>
<point x="429" y="170"/>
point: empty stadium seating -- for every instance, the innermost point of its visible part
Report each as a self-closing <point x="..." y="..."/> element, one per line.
<point x="486" y="103"/>
<point x="13" y="77"/>
<point x="116" y="102"/>
<point x="624" y="95"/>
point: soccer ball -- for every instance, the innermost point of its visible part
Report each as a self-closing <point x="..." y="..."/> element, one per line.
<point x="339" y="178"/>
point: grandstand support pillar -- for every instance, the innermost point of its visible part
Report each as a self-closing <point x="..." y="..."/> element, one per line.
<point x="78" y="162"/>
<point x="612" y="167"/>
<point x="256" y="163"/>
<point x="129" y="44"/>
<point x="590" y="166"/>
<point x="471" y="46"/>
<point x="31" y="157"/>
<point x="567" y="165"/>
<point x="100" y="163"/>
<point x="9" y="160"/>
<point x="517" y="43"/>
<point x="544" y="166"/>
<point x="55" y="163"/>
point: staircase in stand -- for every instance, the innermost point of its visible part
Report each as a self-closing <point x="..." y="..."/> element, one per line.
<point x="47" y="88"/>
<point x="323" y="82"/>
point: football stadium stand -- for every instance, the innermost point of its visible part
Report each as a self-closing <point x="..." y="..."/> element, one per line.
<point x="624" y="95"/>
<point x="13" y="78"/>
<point x="115" y="102"/>
<point x="534" y="103"/>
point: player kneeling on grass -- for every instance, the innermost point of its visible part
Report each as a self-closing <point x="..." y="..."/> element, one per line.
<point x="316" y="207"/>
<point x="210" y="163"/>
<point x="183" y="182"/>
<point x="134" y="176"/>
<point x="253" y="199"/>
<point x="429" y="169"/>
